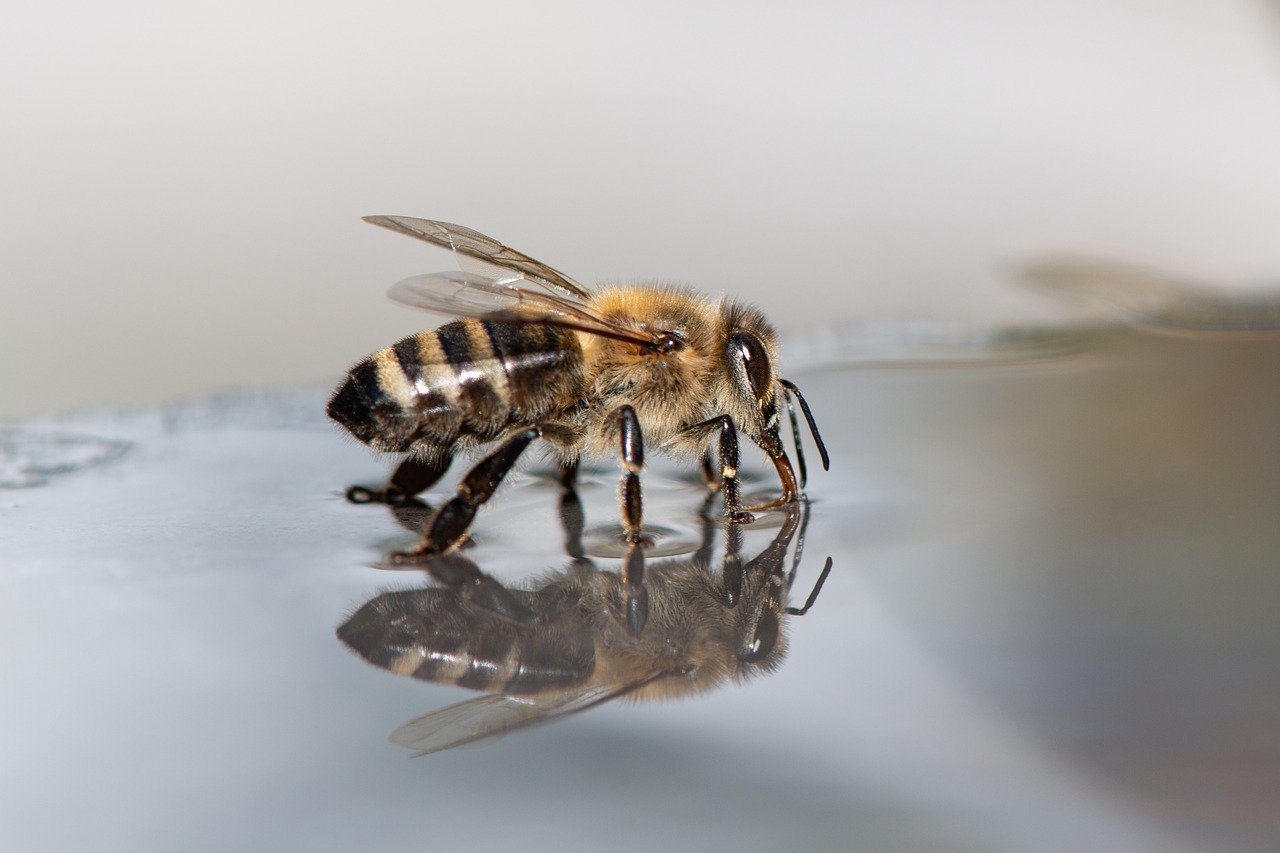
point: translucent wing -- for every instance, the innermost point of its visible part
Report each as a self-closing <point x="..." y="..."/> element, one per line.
<point x="461" y="294"/>
<point x="473" y="244"/>
<point x="495" y="715"/>
<point x="930" y="343"/>
<point x="1152" y="297"/>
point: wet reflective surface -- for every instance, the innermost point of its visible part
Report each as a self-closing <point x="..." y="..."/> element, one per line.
<point x="1051" y="624"/>
<point x="582" y="636"/>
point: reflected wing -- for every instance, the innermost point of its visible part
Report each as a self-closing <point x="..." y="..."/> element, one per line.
<point x="495" y="715"/>
<point x="461" y="294"/>
<point x="473" y="244"/>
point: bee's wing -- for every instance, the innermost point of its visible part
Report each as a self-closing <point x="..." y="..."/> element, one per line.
<point x="1139" y="292"/>
<point x="1156" y="299"/>
<point x="933" y="344"/>
<point x="473" y="244"/>
<point x="495" y="715"/>
<point x="461" y="294"/>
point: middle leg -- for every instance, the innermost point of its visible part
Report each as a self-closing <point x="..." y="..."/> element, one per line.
<point x="631" y="454"/>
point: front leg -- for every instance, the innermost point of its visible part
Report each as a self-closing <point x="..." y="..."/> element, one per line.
<point x="729" y="486"/>
<point x="727" y="483"/>
<point x="728" y="457"/>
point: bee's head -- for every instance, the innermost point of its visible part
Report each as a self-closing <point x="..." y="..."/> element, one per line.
<point x="751" y="351"/>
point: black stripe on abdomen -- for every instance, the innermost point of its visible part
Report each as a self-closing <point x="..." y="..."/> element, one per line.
<point x="534" y="357"/>
<point x="490" y="666"/>
<point x="409" y="356"/>
<point x="484" y="410"/>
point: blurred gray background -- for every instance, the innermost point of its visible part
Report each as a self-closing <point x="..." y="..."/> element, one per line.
<point x="181" y="184"/>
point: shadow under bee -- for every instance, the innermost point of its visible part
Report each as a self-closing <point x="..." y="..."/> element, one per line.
<point x="569" y="641"/>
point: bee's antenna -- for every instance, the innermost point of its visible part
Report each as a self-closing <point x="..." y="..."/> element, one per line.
<point x="808" y="416"/>
<point x="795" y="435"/>
<point x="813" y="594"/>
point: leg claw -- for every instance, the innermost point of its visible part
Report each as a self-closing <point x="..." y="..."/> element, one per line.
<point x="361" y="495"/>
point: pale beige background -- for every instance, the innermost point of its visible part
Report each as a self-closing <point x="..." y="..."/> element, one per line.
<point x="181" y="182"/>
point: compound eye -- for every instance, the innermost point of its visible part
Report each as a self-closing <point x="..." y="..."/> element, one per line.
<point x="669" y="342"/>
<point x="762" y="641"/>
<point x="755" y="362"/>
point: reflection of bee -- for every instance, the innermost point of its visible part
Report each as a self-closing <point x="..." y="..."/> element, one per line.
<point x="539" y="356"/>
<point x="566" y="645"/>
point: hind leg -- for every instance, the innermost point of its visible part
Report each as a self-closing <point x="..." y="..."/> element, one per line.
<point x="631" y="455"/>
<point x="411" y="477"/>
<point x="450" y="523"/>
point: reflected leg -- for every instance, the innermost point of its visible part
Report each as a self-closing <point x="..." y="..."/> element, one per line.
<point x="709" y="476"/>
<point x="731" y="571"/>
<point x="480" y="589"/>
<point x="572" y="518"/>
<point x="702" y="557"/>
<point x="636" y="596"/>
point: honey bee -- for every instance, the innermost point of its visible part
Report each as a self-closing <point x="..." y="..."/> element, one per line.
<point x="538" y="355"/>
<point x="566" y="645"/>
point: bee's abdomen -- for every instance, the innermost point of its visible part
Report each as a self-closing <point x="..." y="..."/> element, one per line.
<point x="435" y="635"/>
<point x="467" y="378"/>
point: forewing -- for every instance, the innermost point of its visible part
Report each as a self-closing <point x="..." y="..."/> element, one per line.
<point x="473" y="244"/>
<point x="461" y="294"/>
<point x="495" y="715"/>
<point x="1154" y="298"/>
<point x="1137" y="291"/>
<point x="896" y="344"/>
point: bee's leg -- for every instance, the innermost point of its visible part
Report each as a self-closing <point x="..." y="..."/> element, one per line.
<point x="728" y="480"/>
<point x="451" y="521"/>
<point x="729" y="486"/>
<point x="631" y="454"/>
<point x="411" y="477"/>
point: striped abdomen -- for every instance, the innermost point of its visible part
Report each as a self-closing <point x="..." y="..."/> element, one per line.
<point x="439" y="635"/>
<point x="469" y="378"/>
